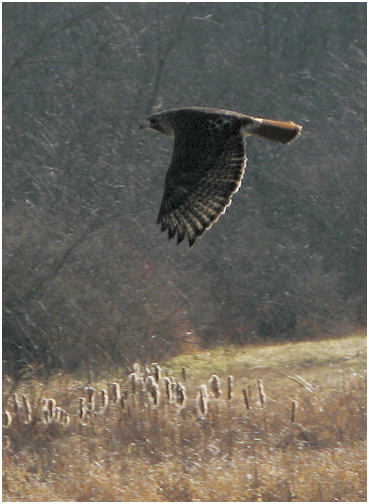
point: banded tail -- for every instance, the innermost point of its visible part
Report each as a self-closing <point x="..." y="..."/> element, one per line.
<point x="277" y="131"/>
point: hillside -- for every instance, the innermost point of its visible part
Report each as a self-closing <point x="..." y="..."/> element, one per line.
<point x="292" y="427"/>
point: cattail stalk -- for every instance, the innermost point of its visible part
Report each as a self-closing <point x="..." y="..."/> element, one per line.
<point x="230" y="387"/>
<point x="293" y="410"/>
<point x="246" y="399"/>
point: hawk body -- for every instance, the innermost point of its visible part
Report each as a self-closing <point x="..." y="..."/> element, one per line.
<point x="208" y="163"/>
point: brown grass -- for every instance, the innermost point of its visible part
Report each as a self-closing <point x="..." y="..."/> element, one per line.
<point x="137" y="451"/>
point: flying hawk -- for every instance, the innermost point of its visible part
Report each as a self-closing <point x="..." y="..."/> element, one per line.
<point x="208" y="163"/>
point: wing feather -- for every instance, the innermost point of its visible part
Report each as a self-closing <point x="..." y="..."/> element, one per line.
<point x="192" y="207"/>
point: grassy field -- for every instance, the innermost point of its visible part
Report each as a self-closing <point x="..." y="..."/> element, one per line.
<point x="292" y="428"/>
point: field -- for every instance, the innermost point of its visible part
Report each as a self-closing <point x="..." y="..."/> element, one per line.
<point x="290" y="425"/>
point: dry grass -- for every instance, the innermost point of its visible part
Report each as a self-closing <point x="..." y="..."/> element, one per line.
<point x="139" y="452"/>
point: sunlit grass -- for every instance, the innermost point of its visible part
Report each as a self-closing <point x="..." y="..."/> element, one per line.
<point x="311" y="357"/>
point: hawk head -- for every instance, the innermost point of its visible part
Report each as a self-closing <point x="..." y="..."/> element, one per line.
<point x="160" y="122"/>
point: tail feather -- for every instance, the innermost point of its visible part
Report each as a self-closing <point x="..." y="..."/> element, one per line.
<point x="277" y="131"/>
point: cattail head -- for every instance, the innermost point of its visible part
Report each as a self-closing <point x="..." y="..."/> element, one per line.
<point x="156" y="371"/>
<point x="137" y="382"/>
<point x="104" y="396"/>
<point x="81" y="411"/>
<point x="64" y="418"/>
<point x="202" y="401"/>
<point x="51" y="405"/>
<point x="150" y="380"/>
<point x="146" y="371"/>
<point x="133" y="380"/>
<point x="45" y="413"/>
<point x="261" y="394"/>
<point x="137" y="368"/>
<point x="90" y="398"/>
<point x="214" y="386"/>
<point x="17" y="406"/>
<point x="115" y="392"/>
<point x="90" y="393"/>
<point x="58" y="414"/>
<point x="7" y="419"/>
<point x="173" y="383"/>
<point x="152" y="389"/>
<point x="181" y="395"/>
<point x="27" y="409"/>
<point x="168" y="389"/>
<point x="155" y="394"/>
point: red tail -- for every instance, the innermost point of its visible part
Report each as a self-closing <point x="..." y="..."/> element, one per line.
<point x="277" y="131"/>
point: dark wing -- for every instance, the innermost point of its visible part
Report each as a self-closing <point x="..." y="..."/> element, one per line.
<point x="206" y="170"/>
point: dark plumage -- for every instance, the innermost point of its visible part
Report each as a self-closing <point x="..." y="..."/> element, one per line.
<point x="208" y="163"/>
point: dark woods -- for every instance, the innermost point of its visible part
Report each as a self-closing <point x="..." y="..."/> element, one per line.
<point x="88" y="279"/>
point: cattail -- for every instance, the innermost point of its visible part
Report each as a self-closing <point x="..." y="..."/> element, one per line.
<point x="137" y="368"/>
<point x="136" y="382"/>
<point x="104" y="401"/>
<point x="152" y="389"/>
<point x="155" y="394"/>
<point x="261" y="392"/>
<point x="143" y="395"/>
<point x="27" y="409"/>
<point x="132" y="378"/>
<point x="181" y="395"/>
<point x="45" y="413"/>
<point x="249" y="393"/>
<point x="156" y="371"/>
<point x="64" y="418"/>
<point x="81" y="412"/>
<point x="7" y="419"/>
<point x="58" y="414"/>
<point x="90" y="398"/>
<point x="51" y="405"/>
<point x="246" y="398"/>
<point x="214" y="386"/>
<point x="173" y="385"/>
<point x="202" y="401"/>
<point x="168" y="389"/>
<point x="230" y="387"/>
<point x="293" y="410"/>
<point x="149" y="384"/>
<point x="146" y="371"/>
<point x="17" y="406"/>
<point x="115" y="392"/>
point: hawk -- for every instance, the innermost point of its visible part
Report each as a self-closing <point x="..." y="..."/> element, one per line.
<point x="208" y="163"/>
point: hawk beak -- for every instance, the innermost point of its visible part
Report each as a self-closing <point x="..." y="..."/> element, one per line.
<point x="145" y="124"/>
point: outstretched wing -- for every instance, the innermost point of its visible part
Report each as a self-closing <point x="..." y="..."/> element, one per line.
<point x="206" y="170"/>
